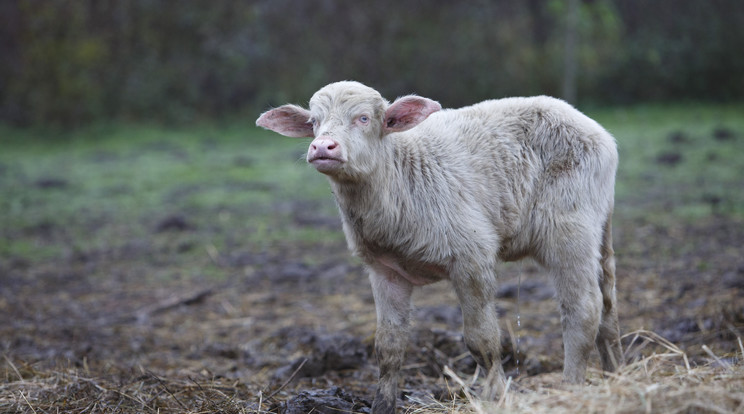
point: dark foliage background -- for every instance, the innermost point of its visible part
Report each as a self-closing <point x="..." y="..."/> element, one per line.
<point x="68" y="62"/>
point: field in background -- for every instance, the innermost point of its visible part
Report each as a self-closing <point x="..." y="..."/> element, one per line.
<point x="682" y="162"/>
<point x="145" y="268"/>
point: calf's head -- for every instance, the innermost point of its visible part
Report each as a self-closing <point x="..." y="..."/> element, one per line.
<point x="349" y="123"/>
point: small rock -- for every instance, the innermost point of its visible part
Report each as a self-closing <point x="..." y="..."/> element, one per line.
<point x="331" y="401"/>
<point x="670" y="158"/>
<point x="723" y="134"/>
<point x="327" y="353"/>
<point x="174" y="222"/>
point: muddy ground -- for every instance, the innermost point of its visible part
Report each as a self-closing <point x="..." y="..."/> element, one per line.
<point x="293" y="325"/>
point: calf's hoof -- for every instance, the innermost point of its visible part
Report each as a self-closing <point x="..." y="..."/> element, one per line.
<point x="383" y="405"/>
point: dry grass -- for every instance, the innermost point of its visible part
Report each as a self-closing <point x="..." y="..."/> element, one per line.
<point x="70" y="390"/>
<point x="660" y="378"/>
<point x="661" y="382"/>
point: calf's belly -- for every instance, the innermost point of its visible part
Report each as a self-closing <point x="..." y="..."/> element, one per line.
<point x="416" y="273"/>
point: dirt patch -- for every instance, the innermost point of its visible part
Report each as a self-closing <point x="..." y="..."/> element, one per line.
<point x="322" y="401"/>
<point x="321" y="353"/>
<point x="292" y="331"/>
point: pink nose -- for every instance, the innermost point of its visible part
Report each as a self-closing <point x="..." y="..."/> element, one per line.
<point x="323" y="147"/>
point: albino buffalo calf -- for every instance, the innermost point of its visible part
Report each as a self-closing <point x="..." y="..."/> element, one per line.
<point x="427" y="194"/>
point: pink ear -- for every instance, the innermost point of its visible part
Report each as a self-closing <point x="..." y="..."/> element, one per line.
<point x="288" y="120"/>
<point x="409" y="111"/>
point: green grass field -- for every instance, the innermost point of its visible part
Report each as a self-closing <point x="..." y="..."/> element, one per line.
<point x="683" y="162"/>
<point x="106" y="184"/>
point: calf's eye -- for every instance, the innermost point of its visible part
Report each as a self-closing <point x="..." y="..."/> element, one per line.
<point x="364" y="119"/>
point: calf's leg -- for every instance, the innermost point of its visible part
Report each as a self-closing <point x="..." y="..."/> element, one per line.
<point x="571" y="252"/>
<point x="476" y="292"/>
<point x="580" y="302"/>
<point x="393" y="304"/>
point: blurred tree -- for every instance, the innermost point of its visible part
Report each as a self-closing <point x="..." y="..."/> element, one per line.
<point x="569" y="54"/>
<point x="682" y="49"/>
<point x="73" y="61"/>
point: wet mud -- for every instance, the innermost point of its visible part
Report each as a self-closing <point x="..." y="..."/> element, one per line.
<point x="298" y="334"/>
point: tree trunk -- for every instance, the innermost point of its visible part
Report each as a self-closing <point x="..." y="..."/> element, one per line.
<point x="569" y="53"/>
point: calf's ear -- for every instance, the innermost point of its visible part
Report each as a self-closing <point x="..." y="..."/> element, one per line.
<point x="408" y="111"/>
<point x="288" y="120"/>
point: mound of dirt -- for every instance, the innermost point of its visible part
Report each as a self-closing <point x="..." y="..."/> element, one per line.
<point x="322" y="401"/>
